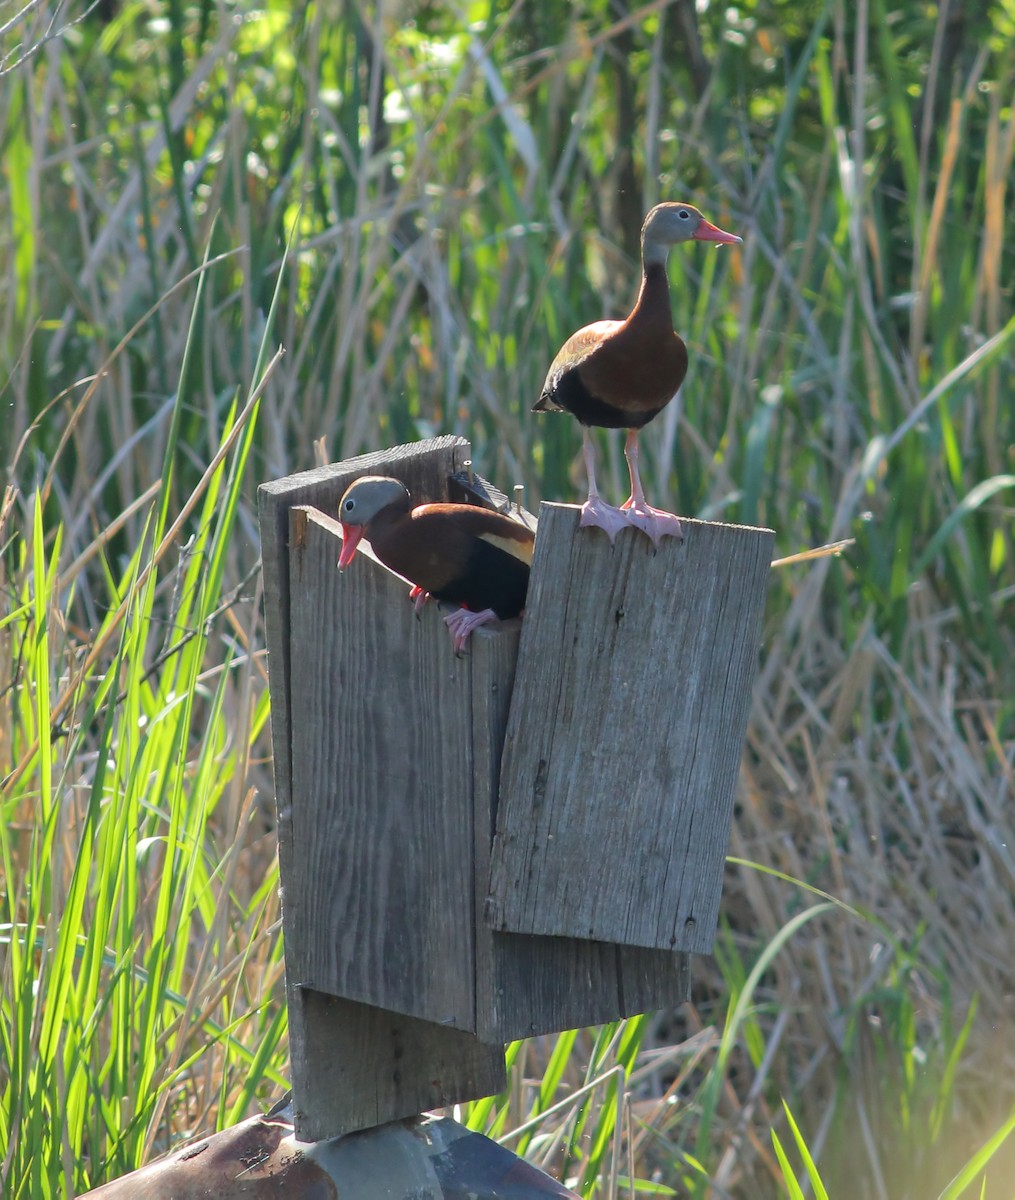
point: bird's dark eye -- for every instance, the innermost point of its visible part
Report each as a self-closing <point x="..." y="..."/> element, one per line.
<point x="683" y="214"/>
<point x="349" y="505"/>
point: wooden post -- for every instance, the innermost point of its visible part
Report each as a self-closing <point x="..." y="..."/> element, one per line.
<point x="354" y="1063"/>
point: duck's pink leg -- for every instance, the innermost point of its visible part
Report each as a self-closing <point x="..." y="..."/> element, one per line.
<point x="462" y="623"/>
<point x="419" y="598"/>
<point x="595" y="511"/>
<point x="639" y="513"/>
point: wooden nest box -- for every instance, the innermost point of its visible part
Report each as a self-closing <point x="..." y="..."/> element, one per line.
<point x="524" y="839"/>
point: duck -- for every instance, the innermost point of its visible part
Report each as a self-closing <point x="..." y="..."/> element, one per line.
<point x="622" y="374"/>
<point x="458" y="553"/>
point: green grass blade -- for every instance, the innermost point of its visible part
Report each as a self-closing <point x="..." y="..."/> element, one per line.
<point x="737" y="1013"/>
<point x="973" y="500"/>
<point x="978" y="1162"/>
<point x="793" y="1188"/>
<point x="820" y="1192"/>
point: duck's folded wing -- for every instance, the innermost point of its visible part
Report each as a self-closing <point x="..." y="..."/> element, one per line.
<point x="466" y="521"/>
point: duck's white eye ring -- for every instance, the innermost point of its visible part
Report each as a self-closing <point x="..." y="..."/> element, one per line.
<point x="349" y="505"/>
<point x="683" y="214"/>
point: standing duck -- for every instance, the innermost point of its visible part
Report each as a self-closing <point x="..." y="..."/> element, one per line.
<point x="621" y="374"/>
<point x="454" y="552"/>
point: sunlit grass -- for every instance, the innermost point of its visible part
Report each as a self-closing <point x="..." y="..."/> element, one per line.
<point x="136" y="981"/>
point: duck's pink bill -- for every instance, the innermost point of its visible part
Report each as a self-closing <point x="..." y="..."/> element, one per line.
<point x="707" y="232"/>
<point x="352" y="535"/>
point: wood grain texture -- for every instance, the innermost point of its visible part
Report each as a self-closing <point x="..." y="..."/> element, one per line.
<point x="625" y="732"/>
<point x="424" y="468"/>
<point x="528" y="985"/>
<point x="387" y="764"/>
<point x="362" y="1066"/>
<point x="397" y="744"/>
<point x="382" y="776"/>
<point x="537" y="985"/>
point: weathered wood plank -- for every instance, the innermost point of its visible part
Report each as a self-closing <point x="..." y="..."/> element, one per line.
<point x="424" y="468"/>
<point x="362" y="1066"/>
<point x="399" y="744"/>
<point x="528" y="985"/>
<point x="625" y="732"/>
<point x="546" y="984"/>
<point x="382" y="765"/>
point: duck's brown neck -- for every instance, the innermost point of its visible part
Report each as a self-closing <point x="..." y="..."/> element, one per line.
<point x="387" y="522"/>
<point x="653" y="304"/>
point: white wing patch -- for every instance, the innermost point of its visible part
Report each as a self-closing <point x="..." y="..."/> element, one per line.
<point x="522" y="550"/>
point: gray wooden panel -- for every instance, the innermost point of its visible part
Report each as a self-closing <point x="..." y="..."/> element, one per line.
<point x="424" y="468"/>
<point x="625" y="732"/>
<point x="546" y="984"/>
<point x="382" y="775"/>
<point x="360" y="1066"/>
<point x="528" y="985"/>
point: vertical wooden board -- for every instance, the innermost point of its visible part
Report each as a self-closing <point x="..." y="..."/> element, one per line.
<point x="382" y="779"/>
<point x="528" y="985"/>
<point x="351" y="1067"/>
<point x="424" y="468"/>
<point x="625" y="732"/>
<point x="359" y="1066"/>
<point x="546" y="984"/>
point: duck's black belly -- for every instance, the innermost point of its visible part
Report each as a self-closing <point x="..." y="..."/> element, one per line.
<point x="492" y="578"/>
<point x="571" y="395"/>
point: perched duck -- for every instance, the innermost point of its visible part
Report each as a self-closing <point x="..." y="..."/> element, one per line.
<point x="621" y="374"/>
<point x="454" y="552"/>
